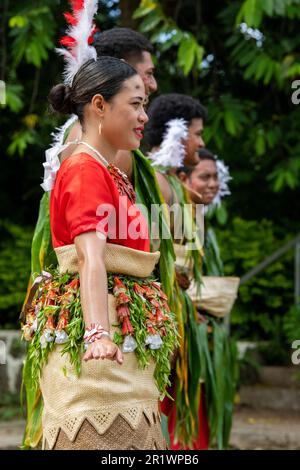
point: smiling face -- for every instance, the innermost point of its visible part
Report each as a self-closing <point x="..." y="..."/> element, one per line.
<point x="204" y="180"/>
<point x="124" y="117"/>
<point x="145" y="68"/>
<point x="194" y="142"/>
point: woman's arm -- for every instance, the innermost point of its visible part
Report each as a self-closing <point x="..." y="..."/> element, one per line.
<point x="93" y="292"/>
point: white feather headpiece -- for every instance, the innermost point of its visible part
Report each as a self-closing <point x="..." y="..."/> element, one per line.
<point x="224" y="178"/>
<point x="172" y="150"/>
<point x="78" y="37"/>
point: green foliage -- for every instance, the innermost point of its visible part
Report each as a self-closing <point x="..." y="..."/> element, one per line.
<point x="14" y="270"/>
<point x="10" y="406"/>
<point x="291" y="323"/>
<point x="246" y="83"/>
<point x="32" y="31"/>
<point x="265" y="299"/>
<point x="14" y="97"/>
<point x="165" y="32"/>
<point x="253" y="11"/>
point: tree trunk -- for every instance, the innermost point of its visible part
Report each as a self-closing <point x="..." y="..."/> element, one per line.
<point x="127" y="8"/>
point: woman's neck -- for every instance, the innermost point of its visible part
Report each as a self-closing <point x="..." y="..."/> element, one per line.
<point x="99" y="144"/>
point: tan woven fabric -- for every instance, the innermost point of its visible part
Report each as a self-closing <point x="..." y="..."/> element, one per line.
<point x="217" y="294"/>
<point x="120" y="436"/>
<point x="118" y="259"/>
<point x="103" y="391"/>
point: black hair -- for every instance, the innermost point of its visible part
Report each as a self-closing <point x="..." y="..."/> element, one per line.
<point x="205" y="154"/>
<point x="167" y="107"/>
<point x="105" y="76"/>
<point x="123" y="43"/>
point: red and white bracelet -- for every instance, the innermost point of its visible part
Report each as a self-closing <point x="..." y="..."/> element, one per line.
<point x="94" y="332"/>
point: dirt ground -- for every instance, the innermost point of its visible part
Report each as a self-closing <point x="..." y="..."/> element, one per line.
<point x="252" y="429"/>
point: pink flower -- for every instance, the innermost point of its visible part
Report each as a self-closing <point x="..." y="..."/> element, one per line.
<point x="50" y="323"/>
<point x="127" y="328"/>
<point x="63" y="320"/>
<point x="123" y="311"/>
<point x="139" y="290"/>
<point x="122" y="298"/>
<point x="73" y="285"/>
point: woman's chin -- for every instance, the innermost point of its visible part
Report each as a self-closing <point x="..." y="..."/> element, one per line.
<point x="130" y="146"/>
<point x="136" y="145"/>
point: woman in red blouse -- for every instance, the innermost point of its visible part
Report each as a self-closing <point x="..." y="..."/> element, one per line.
<point x="83" y="182"/>
<point x="120" y="314"/>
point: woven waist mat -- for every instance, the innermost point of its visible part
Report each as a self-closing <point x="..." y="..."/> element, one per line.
<point x="118" y="259"/>
<point x="102" y="391"/>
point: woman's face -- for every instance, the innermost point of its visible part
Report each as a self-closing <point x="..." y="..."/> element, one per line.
<point x="124" y="118"/>
<point x="194" y="142"/>
<point x="204" y="180"/>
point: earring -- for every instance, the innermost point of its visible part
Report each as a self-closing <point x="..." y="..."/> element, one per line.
<point x="100" y="128"/>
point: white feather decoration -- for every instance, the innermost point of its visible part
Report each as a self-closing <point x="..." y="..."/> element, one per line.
<point x="224" y="178"/>
<point x="59" y="133"/>
<point x="81" y="52"/>
<point x="172" y="150"/>
<point x="52" y="163"/>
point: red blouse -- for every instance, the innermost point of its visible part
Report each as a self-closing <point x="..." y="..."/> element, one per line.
<point x="85" y="199"/>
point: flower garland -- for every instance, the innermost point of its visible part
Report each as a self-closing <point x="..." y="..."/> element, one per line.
<point x="145" y="323"/>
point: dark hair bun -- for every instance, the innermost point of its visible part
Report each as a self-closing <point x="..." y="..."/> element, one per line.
<point x="60" y="99"/>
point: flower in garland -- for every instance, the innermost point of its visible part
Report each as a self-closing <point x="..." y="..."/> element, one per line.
<point x="73" y="286"/>
<point x="123" y="313"/>
<point x="139" y="290"/>
<point x="70" y="291"/>
<point x="48" y="333"/>
<point x="149" y="293"/>
<point x="122" y="299"/>
<point x="31" y="324"/>
<point x="61" y="335"/>
<point x="150" y="328"/>
<point x="127" y="328"/>
<point x="160" y="316"/>
<point x="52" y="295"/>
<point x="155" y="303"/>
<point x="161" y="294"/>
<point x="118" y="287"/>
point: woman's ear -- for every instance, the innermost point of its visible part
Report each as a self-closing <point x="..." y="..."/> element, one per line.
<point x="98" y="104"/>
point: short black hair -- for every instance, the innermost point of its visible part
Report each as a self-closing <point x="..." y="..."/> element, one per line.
<point x="205" y="154"/>
<point x="123" y="43"/>
<point x="167" y="107"/>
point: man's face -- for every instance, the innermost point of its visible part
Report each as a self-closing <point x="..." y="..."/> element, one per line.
<point x="194" y="142"/>
<point x="205" y="180"/>
<point x="145" y="69"/>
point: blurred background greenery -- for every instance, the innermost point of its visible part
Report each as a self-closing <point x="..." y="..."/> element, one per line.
<point x="240" y="59"/>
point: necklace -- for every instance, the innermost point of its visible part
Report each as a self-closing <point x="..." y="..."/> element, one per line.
<point x="120" y="178"/>
<point x="101" y="158"/>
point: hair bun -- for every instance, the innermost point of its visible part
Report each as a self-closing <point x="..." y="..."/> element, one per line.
<point x="60" y="99"/>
